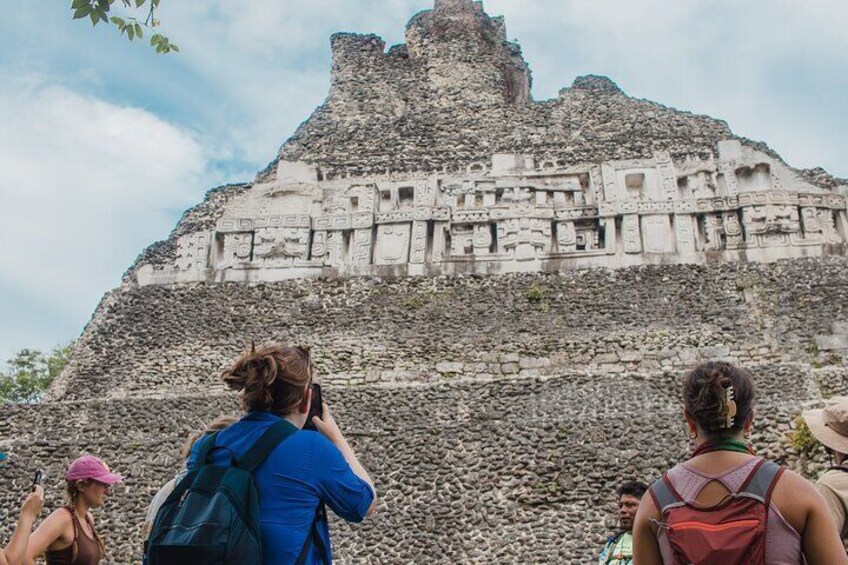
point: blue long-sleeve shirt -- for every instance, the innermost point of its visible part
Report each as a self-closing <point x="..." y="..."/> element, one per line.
<point x="297" y="476"/>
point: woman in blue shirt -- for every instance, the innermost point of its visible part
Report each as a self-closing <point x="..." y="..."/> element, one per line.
<point x="306" y="471"/>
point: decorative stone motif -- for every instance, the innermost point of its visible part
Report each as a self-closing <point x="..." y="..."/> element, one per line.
<point x="516" y="216"/>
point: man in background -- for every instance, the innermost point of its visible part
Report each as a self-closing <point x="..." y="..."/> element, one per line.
<point x="618" y="549"/>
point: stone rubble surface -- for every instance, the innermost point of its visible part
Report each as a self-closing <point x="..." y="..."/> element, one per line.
<point x="496" y="426"/>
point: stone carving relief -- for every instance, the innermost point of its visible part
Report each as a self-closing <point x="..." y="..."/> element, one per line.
<point x="588" y="236"/>
<point x="656" y="233"/>
<point x="732" y="230"/>
<point x="514" y="212"/>
<point x="392" y="244"/>
<point x="277" y="247"/>
<point x="566" y="237"/>
<point x="238" y="249"/>
<point x="524" y="238"/>
<point x="828" y="224"/>
<point x="418" y="246"/>
<point x="713" y="232"/>
<point x="193" y="251"/>
<point x="361" y="247"/>
<point x="630" y="234"/>
<point x="684" y="233"/>
<point x="770" y="225"/>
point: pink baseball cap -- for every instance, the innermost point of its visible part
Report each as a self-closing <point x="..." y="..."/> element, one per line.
<point x="90" y="467"/>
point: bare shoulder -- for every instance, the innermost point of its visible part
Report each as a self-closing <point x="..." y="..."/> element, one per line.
<point x="59" y="516"/>
<point x="794" y="484"/>
<point x="795" y="497"/>
<point x="647" y="508"/>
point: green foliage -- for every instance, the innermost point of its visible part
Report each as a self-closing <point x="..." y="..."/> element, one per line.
<point x="133" y="27"/>
<point x="29" y="373"/>
<point x="536" y="293"/>
<point x="413" y="302"/>
<point x="802" y="440"/>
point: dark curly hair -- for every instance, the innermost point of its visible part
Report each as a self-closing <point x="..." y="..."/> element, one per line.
<point x="705" y="397"/>
<point x="271" y="378"/>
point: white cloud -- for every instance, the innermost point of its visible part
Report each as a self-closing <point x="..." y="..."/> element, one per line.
<point x="84" y="185"/>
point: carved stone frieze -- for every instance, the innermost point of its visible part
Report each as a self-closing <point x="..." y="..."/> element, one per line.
<point x="519" y="212"/>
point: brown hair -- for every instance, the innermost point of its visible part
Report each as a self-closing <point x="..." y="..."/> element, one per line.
<point x="72" y="490"/>
<point x="272" y="377"/>
<point x="705" y="395"/>
<point x="218" y="424"/>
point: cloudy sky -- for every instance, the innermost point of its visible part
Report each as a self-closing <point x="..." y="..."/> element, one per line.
<point x="103" y="144"/>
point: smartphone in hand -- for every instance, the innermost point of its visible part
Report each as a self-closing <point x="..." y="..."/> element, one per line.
<point x="38" y="478"/>
<point x="316" y="408"/>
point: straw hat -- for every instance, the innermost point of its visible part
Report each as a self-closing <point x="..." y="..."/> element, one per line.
<point x="830" y="424"/>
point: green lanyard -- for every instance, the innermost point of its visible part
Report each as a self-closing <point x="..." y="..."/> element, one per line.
<point x="723" y="444"/>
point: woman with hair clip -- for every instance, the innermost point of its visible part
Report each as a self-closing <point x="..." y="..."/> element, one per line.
<point x="303" y="473"/>
<point x="725" y="505"/>
<point x="67" y="536"/>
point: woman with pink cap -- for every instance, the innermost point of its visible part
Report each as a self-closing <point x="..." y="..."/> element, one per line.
<point x="67" y="536"/>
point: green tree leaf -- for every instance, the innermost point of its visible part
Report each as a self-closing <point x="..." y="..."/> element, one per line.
<point x="82" y="12"/>
<point x="132" y="24"/>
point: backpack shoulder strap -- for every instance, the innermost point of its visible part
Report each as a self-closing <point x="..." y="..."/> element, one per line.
<point x="206" y="445"/>
<point x="273" y="436"/>
<point x="762" y="480"/>
<point x="314" y="538"/>
<point x="664" y="495"/>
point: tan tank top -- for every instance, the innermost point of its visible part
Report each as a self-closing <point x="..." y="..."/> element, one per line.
<point x="83" y="551"/>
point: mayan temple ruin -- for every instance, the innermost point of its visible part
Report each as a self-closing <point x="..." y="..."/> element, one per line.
<point x="501" y="294"/>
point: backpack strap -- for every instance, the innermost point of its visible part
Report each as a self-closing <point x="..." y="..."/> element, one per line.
<point x="206" y="446"/>
<point x="664" y="495"/>
<point x="314" y="537"/>
<point x="273" y="436"/>
<point x="761" y="481"/>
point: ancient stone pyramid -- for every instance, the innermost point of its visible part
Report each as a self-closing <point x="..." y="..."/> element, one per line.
<point x="437" y="236"/>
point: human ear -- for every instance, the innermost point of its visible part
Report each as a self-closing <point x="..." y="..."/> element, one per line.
<point x="690" y="422"/>
<point x="307" y="401"/>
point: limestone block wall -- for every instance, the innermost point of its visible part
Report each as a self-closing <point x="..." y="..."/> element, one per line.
<point x="153" y="340"/>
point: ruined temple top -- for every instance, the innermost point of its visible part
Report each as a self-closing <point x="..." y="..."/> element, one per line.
<point x="432" y="157"/>
<point x="457" y="91"/>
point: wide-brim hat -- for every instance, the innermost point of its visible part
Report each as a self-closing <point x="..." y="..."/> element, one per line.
<point x="829" y="425"/>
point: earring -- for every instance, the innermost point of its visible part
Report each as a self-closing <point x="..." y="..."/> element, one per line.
<point x="748" y="433"/>
<point x="693" y="435"/>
